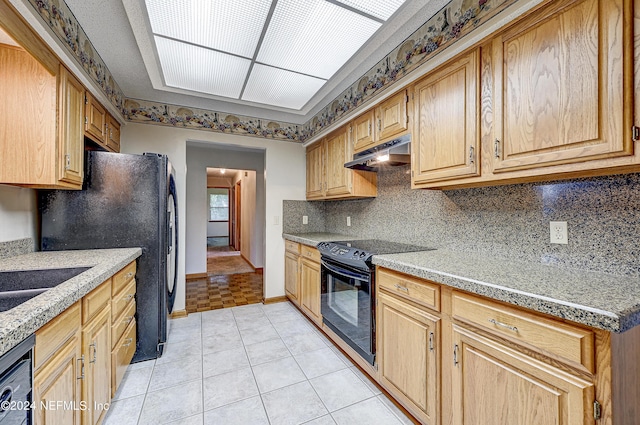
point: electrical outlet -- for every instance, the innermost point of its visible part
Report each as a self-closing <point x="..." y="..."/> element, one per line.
<point x="348" y="221"/>
<point x="558" y="231"/>
<point x="276" y="220"/>
<point x="305" y="219"/>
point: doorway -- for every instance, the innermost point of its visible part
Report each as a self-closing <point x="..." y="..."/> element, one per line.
<point x="231" y="279"/>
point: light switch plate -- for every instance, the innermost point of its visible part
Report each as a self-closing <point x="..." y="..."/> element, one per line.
<point x="558" y="232"/>
<point x="305" y="219"/>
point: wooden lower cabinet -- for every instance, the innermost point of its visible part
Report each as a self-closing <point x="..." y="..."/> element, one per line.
<point x="292" y="276"/>
<point x="96" y="350"/>
<point x="76" y="368"/>
<point x="407" y="355"/>
<point x="59" y="380"/>
<point x="310" y="289"/>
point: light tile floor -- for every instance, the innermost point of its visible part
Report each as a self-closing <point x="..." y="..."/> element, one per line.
<point x="254" y="364"/>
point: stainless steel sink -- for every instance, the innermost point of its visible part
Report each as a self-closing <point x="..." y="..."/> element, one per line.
<point x="19" y="286"/>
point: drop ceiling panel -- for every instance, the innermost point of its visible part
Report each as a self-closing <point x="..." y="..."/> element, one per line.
<point x="313" y="37"/>
<point x="195" y="68"/>
<point x="273" y="86"/>
<point x="382" y="9"/>
<point x="232" y="26"/>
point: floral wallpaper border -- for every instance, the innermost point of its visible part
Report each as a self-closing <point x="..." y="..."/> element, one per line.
<point x="60" y="19"/>
<point x="201" y="119"/>
<point x="456" y="19"/>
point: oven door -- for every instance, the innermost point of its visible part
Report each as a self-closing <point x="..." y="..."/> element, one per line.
<point x="347" y="307"/>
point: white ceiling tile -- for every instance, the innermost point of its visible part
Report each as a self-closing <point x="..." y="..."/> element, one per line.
<point x="273" y="86"/>
<point x="313" y="37"/>
<point x="382" y="9"/>
<point x="232" y="26"/>
<point x="195" y="68"/>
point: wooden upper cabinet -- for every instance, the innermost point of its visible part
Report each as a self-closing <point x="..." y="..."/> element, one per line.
<point x="338" y="151"/>
<point x="71" y="102"/>
<point x="95" y="122"/>
<point x="315" y="171"/>
<point x="112" y="137"/>
<point x="362" y="131"/>
<point x="446" y="136"/>
<point x="391" y="116"/>
<point x="560" y="86"/>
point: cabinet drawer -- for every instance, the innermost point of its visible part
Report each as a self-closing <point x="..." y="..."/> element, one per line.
<point x="549" y="336"/>
<point x="310" y="252"/>
<point x="121" y="278"/>
<point x="417" y="290"/>
<point x="121" y="356"/>
<point x="292" y="246"/>
<point x="52" y="336"/>
<point x="121" y="300"/>
<point x="121" y="323"/>
<point x="95" y="301"/>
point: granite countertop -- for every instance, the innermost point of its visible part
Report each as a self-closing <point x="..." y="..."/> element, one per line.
<point x="20" y="322"/>
<point x="315" y="238"/>
<point x="599" y="300"/>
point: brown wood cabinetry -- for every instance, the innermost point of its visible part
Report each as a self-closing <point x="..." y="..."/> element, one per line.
<point x="446" y="136"/>
<point x="113" y="134"/>
<point x="292" y="271"/>
<point x="310" y="283"/>
<point x="326" y="176"/>
<point x="388" y="120"/>
<point x="75" y="361"/>
<point x="100" y="126"/>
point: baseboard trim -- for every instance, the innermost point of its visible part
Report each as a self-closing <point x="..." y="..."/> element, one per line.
<point x="196" y="276"/>
<point x="176" y="314"/>
<point x="274" y="300"/>
<point x="247" y="260"/>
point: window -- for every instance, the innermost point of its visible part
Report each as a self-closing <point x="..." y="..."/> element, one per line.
<point x="218" y="204"/>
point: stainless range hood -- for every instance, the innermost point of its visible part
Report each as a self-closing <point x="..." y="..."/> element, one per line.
<point x="395" y="152"/>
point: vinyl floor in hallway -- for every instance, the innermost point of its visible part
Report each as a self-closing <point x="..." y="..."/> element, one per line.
<point x="250" y="365"/>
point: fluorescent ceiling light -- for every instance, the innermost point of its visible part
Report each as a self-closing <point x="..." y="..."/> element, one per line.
<point x="313" y="37"/>
<point x="382" y="9"/>
<point x="273" y="86"/>
<point x="232" y="26"/>
<point x="195" y="68"/>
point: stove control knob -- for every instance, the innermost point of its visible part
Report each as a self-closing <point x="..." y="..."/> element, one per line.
<point x="356" y="253"/>
<point x="363" y="254"/>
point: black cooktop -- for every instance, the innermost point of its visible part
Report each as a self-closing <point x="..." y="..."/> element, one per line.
<point x="377" y="247"/>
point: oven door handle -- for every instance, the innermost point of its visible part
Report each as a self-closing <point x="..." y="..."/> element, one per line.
<point x="332" y="269"/>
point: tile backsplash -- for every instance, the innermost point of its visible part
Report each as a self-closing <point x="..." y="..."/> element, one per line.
<point x="512" y="221"/>
<point x="17" y="247"/>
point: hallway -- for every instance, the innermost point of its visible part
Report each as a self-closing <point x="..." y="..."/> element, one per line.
<point x="230" y="282"/>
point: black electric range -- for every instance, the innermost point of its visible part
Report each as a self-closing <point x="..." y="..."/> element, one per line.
<point x="347" y="298"/>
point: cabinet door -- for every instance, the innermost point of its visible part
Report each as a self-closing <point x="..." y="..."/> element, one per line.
<point x="407" y="356"/>
<point x="95" y="123"/>
<point x="291" y="281"/>
<point x="59" y="381"/>
<point x="493" y="384"/>
<point x="315" y="171"/>
<point x="446" y="133"/>
<point x="310" y="289"/>
<point x="113" y="134"/>
<point x="96" y="349"/>
<point x="71" y="135"/>
<point x="362" y="131"/>
<point x="391" y="117"/>
<point x="560" y="86"/>
<point x="338" y="151"/>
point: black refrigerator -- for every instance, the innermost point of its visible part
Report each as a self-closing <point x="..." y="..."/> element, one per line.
<point x="126" y="201"/>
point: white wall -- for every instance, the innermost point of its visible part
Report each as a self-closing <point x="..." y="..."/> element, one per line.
<point x="17" y="213"/>
<point x="283" y="177"/>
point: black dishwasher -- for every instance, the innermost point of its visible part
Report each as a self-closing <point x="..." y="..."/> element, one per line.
<point x="15" y="384"/>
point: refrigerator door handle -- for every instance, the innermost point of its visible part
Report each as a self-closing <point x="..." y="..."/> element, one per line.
<point x="170" y="231"/>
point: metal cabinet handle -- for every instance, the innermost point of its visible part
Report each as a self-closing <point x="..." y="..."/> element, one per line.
<point x="379" y="125"/>
<point x="94" y="344"/>
<point x="127" y="319"/>
<point x="81" y="360"/>
<point x="129" y="297"/>
<point x="455" y="355"/>
<point x="504" y="325"/>
<point x="129" y="275"/>
<point x="430" y="341"/>
<point x="401" y="288"/>
<point x="496" y="148"/>
<point x="128" y="342"/>
<point x="67" y="159"/>
<point x="471" y="156"/>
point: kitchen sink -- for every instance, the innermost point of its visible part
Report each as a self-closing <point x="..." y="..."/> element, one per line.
<point x="19" y="286"/>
